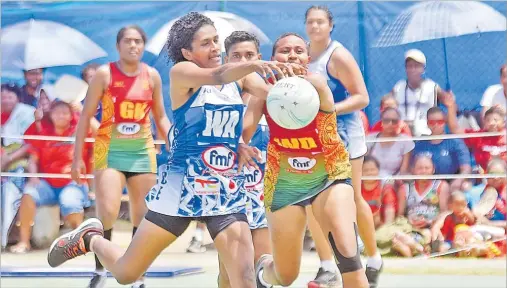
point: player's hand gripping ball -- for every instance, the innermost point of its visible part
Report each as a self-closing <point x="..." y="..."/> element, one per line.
<point x="293" y="103"/>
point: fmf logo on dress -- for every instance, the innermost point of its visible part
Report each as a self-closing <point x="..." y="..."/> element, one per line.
<point x="301" y="164"/>
<point x="252" y="178"/>
<point x="219" y="158"/>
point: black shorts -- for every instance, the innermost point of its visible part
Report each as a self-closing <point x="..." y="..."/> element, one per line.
<point x="176" y="225"/>
<point x="310" y="200"/>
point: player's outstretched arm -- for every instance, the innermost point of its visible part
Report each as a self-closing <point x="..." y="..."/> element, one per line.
<point x="188" y="75"/>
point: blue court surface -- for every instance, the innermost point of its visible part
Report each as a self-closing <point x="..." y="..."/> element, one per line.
<point x="31" y="272"/>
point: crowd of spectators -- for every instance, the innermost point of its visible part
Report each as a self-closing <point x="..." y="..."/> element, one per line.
<point x="411" y="216"/>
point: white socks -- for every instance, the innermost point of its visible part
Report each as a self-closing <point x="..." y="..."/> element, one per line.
<point x="198" y="234"/>
<point x="375" y="261"/>
<point x="328" y="265"/>
<point x="261" y="279"/>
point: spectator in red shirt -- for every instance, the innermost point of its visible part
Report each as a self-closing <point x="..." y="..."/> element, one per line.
<point x="460" y="214"/>
<point x="380" y="196"/>
<point x="41" y="114"/>
<point x="52" y="157"/>
<point x="389" y="101"/>
<point x="483" y="148"/>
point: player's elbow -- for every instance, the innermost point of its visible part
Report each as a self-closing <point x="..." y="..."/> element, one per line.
<point x="365" y="101"/>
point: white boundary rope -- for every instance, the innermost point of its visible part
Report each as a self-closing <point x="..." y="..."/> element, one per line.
<point x="373" y="140"/>
<point x="368" y="140"/>
<point x="394" y="177"/>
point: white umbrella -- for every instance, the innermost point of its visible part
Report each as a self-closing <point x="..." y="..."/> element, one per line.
<point x="430" y="20"/>
<point x="39" y="44"/>
<point x="225" y="23"/>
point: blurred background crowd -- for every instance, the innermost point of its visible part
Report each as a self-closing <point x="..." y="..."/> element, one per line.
<point x="452" y="85"/>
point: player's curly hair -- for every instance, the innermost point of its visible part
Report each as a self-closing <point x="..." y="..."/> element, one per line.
<point x="239" y="37"/>
<point x="182" y="34"/>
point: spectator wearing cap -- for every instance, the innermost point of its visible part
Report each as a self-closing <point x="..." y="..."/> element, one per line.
<point x="416" y="94"/>
<point x="33" y="80"/>
<point x="496" y="95"/>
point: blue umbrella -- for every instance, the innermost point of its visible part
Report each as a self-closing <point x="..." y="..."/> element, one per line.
<point x="429" y="20"/>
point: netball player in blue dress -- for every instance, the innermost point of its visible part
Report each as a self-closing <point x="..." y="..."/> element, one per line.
<point x="201" y="179"/>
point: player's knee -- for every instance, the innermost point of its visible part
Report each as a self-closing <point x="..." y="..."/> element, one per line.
<point x="107" y="213"/>
<point x="124" y="278"/>
<point x="286" y="278"/>
<point x="348" y="258"/>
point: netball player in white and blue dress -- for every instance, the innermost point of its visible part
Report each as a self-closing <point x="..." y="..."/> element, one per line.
<point x="200" y="181"/>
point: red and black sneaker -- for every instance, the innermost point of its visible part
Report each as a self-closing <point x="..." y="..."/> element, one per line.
<point x="72" y="244"/>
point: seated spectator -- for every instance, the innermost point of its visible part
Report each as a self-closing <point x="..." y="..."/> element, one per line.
<point x="460" y="214"/>
<point x="52" y="157"/>
<point x="483" y="148"/>
<point x="393" y="156"/>
<point x="380" y="195"/>
<point x="33" y="79"/>
<point x="450" y="156"/>
<point x="41" y="114"/>
<point x="423" y="202"/>
<point x="497" y="215"/>
<point x="16" y="118"/>
<point x="496" y="95"/>
<point x="416" y="94"/>
<point x="389" y="101"/>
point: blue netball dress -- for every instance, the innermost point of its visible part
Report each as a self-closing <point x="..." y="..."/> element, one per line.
<point x="201" y="177"/>
<point x="350" y="126"/>
<point x="254" y="180"/>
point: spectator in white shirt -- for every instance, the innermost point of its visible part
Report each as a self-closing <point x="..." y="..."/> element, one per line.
<point x="496" y="95"/>
<point x="416" y="94"/>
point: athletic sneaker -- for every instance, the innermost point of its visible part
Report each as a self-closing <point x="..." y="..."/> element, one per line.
<point x="373" y="274"/>
<point x="70" y="245"/>
<point x="138" y="285"/>
<point x="259" y="266"/>
<point x="97" y="281"/>
<point x="196" y="246"/>
<point x="325" y="279"/>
